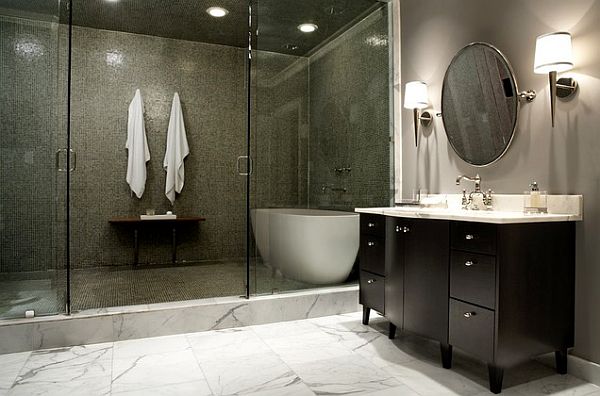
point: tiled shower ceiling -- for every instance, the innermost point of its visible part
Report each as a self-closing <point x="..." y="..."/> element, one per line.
<point x="276" y="20"/>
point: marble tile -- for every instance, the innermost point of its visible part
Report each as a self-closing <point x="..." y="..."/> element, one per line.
<point x="72" y="331"/>
<point x="230" y="343"/>
<point x="349" y="374"/>
<point x="67" y="364"/>
<point x="283" y="329"/>
<point x="429" y="379"/>
<point x="16" y="337"/>
<point x="144" y="346"/>
<point x="250" y="374"/>
<point x="307" y="347"/>
<point x="558" y="385"/>
<point x="10" y="367"/>
<point x="98" y="386"/>
<point x="150" y="370"/>
<point x="193" y="388"/>
<point x="297" y="389"/>
<point x="180" y="321"/>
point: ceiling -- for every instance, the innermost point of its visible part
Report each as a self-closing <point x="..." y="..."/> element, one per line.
<point x="276" y="21"/>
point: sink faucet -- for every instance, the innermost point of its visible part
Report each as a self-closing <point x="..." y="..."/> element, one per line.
<point x="467" y="202"/>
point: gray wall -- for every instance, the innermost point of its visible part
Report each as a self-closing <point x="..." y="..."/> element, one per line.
<point x="350" y="117"/>
<point x="563" y="160"/>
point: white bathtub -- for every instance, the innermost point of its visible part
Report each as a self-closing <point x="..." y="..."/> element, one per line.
<point x="308" y="245"/>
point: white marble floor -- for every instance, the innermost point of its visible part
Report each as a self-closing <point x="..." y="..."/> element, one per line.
<point x="333" y="355"/>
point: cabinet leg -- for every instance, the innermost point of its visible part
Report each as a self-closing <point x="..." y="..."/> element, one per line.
<point x="392" y="331"/>
<point x="561" y="361"/>
<point x="366" y="313"/>
<point x="496" y="375"/>
<point x="446" y="355"/>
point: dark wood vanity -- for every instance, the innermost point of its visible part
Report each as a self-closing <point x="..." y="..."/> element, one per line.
<point x="502" y="293"/>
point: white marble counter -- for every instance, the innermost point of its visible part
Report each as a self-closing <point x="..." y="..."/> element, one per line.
<point x="507" y="210"/>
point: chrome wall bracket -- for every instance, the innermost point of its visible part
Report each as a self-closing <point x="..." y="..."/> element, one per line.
<point x="527" y="96"/>
<point x="566" y="87"/>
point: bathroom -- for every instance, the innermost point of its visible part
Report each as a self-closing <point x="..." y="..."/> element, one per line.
<point x="300" y="136"/>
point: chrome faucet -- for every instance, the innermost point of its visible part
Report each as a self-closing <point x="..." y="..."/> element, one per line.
<point x="467" y="202"/>
<point x="333" y="188"/>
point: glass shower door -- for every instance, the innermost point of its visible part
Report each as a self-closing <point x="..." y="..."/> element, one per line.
<point x="320" y="136"/>
<point x="33" y="142"/>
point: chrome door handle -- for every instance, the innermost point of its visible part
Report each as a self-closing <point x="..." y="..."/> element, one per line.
<point x="469" y="263"/>
<point x="72" y="159"/>
<point x="469" y="237"/>
<point x="250" y="165"/>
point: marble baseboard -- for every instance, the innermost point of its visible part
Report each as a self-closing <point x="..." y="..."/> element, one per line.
<point x="118" y="324"/>
<point x="584" y="369"/>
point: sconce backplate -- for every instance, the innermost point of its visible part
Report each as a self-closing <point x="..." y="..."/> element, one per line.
<point x="566" y="88"/>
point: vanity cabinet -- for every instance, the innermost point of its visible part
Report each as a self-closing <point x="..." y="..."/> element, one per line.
<point x="503" y="293"/>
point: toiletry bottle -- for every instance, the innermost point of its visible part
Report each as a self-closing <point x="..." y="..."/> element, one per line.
<point x="534" y="196"/>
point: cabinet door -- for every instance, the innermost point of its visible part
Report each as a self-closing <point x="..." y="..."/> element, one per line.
<point x="426" y="278"/>
<point x="394" y="270"/>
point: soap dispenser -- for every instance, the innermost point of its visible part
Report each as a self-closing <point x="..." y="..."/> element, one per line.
<point x="534" y="200"/>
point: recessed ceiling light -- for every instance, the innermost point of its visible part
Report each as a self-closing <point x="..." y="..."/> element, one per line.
<point x="217" y="12"/>
<point x="307" y="27"/>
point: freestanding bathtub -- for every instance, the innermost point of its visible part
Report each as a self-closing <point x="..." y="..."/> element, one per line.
<point x="308" y="245"/>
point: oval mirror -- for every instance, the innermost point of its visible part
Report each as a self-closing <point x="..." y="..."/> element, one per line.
<point x="480" y="104"/>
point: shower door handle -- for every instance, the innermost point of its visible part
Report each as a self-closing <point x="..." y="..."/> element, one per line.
<point x="73" y="161"/>
<point x="250" y="169"/>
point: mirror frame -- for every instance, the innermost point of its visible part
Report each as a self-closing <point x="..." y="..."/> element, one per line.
<point x="518" y="101"/>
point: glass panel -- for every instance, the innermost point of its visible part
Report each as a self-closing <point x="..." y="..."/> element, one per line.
<point x="33" y="130"/>
<point x="320" y="137"/>
<point x="161" y="48"/>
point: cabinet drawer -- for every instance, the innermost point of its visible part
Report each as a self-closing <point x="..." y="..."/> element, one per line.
<point x="372" y="256"/>
<point x="372" y="291"/>
<point x="371" y="224"/>
<point x="472" y="329"/>
<point x="474" y="237"/>
<point x="473" y="278"/>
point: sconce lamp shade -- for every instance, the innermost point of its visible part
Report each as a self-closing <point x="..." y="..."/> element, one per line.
<point x="553" y="53"/>
<point x="415" y="95"/>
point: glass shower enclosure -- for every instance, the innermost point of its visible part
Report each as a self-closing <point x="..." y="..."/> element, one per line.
<point x="286" y="107"/>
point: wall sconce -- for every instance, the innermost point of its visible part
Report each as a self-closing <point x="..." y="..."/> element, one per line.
<point x="416" y="98"/>
<point x="554" y="54"/>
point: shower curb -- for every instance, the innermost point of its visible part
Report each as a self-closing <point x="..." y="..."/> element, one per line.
<point x="126" y="323"/>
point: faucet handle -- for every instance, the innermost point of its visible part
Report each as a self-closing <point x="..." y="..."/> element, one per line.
<point x="487" y="199"/>
<point x="465" y="200"/>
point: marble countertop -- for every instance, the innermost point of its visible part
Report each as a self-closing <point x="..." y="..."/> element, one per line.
<point x="507" y="210"/>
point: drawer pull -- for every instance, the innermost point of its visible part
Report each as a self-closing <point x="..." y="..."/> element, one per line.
<point x="371" y="243"/>
<point x="405" y="230"/>
<point x="371" y="281"/>
<point x="398" y="228"/>
<point x="469" y="314"/>
<point x="469" y="237"/>
<point x="469" y="263"/>
<point x="371" y="225"/>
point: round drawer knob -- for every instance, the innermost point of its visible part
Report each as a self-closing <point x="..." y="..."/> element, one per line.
<point x="398" y="229"/>
<point x="468" y="314"/>
<point x="469" y="237"/>
<point x="371" y="243"/>
<point x="371" y="225"/>
<point x="405" y="229"/>
<point x="469" y="263"/>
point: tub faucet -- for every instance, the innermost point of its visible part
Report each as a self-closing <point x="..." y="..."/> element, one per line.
<point x="467" y="202"/>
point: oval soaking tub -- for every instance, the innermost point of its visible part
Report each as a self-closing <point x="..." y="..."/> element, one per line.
<point x="308" y="245"/>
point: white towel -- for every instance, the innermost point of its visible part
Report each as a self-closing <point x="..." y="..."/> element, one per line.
<point x="177" y="150"/>
<point x="137" y="146"/>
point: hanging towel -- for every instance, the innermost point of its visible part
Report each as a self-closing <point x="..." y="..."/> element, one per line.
<point x="177" y="150"/>
<point x="137" y="146"/>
